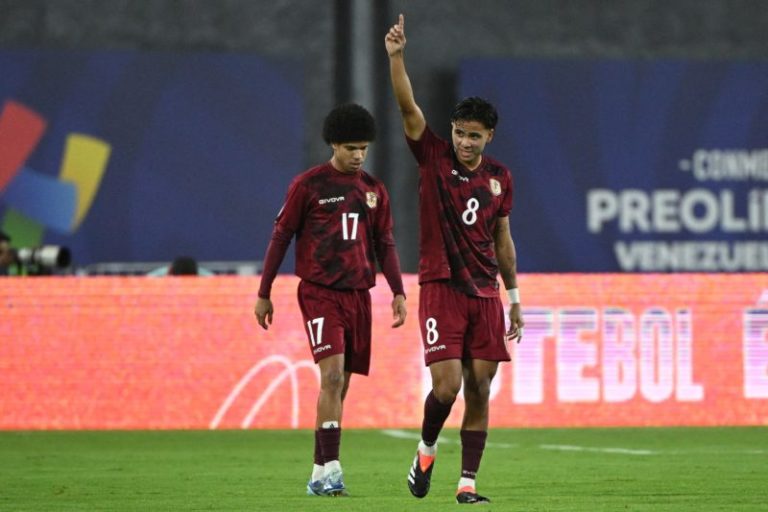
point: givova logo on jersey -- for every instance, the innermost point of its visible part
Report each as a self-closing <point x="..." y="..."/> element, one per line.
<point x="327" y="200"/>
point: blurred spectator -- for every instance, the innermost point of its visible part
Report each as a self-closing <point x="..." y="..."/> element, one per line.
<point x="7" y="256"/>
<point x="181" y="266"/>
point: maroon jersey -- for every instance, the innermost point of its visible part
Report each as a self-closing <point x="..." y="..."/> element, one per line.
<point x="459" y="210"/>
<point x="343" y="225"/>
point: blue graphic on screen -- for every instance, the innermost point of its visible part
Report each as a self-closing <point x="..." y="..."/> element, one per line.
<point x="202" y="149"/>
<point x="632" y="166"/>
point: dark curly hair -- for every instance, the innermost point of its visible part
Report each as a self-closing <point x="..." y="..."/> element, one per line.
<point x="476" y="109"/>
<point x="349" y="123"/>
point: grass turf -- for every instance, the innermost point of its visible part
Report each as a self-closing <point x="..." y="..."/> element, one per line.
<point x="652" y="469"/>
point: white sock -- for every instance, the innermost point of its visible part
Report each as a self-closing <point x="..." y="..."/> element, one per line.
<point x="466" y="482"/>
<point x="429" y="451"/>
<point x="317" y="472"/>
<point x="332" y="466"/>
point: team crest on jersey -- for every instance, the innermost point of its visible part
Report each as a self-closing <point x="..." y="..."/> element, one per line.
<point x="371" y="199"/>
<point x="495" y="187"/>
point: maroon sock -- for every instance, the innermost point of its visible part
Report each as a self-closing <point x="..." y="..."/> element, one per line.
<point x="318" y="451"/>
<point x="472" y="446"/>
<point x="330" y="439"/>
<point x="435" y="414"/>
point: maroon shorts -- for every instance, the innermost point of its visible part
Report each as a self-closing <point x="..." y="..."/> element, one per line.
<point x="337" y="322"/>
<point x="458" y="326"/>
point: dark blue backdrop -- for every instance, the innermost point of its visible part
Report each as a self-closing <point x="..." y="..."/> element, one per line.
<point x="632" y="129"/>
<point x="203" y="147"/>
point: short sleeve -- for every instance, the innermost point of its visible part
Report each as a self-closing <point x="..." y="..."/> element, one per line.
<point x="427" y="147"/>
<point x="291" y="216"/>
<point x="508" y="199"/>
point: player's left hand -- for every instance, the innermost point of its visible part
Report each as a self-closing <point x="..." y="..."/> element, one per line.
<point x="398" y="310"/>
<point x="516" y="323"/>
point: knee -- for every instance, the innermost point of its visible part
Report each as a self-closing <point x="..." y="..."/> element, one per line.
<point x="446" y="391"/>
<point x="478" y="389"/>
<point x="332" y="380"/>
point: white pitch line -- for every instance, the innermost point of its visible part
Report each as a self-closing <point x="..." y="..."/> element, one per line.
<point x="716" y="452"/>
<point x="571" y="448"/>
<point x="402" y="434"/>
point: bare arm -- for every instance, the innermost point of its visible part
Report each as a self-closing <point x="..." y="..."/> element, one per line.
<point x="413" y="118"/>
<point x="507" y="258"/>
<point x="505" y="253"/>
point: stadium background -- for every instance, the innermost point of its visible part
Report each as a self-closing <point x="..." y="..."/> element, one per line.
<point x="209" y="108"/>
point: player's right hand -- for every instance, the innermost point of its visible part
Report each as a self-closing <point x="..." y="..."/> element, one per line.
<point x="395" y="38"/>
<point x="398" y="310"/>
<point x="263" y="311"/>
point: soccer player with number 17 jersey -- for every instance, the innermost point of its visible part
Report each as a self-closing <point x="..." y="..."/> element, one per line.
<point x="464" y="201"/>
<point x="341" y="218"/>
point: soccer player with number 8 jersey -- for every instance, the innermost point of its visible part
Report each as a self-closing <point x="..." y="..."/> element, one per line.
<point x="340" y="216"/>
<point x="465" y="198"/>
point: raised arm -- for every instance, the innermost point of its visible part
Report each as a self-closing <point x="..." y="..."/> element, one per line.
<point x="413" y="118"/>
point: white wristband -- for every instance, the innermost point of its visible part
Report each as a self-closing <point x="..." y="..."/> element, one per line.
<point x="514" y="295"/>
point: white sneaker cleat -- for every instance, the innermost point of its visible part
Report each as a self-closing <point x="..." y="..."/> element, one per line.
<point x="315" y="488"/>
<point x="334" y="485"/>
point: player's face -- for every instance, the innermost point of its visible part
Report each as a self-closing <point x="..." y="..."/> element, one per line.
<point x="469" y="140"/>
<point x="349" y="156"/>
<point x="6" y="256"/>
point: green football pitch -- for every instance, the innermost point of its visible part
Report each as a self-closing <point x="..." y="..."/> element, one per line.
<point x="648" y="469"/>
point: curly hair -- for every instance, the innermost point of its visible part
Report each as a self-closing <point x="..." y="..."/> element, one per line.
<point x="476" y="109"/>
<point x="349" y="123"/>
